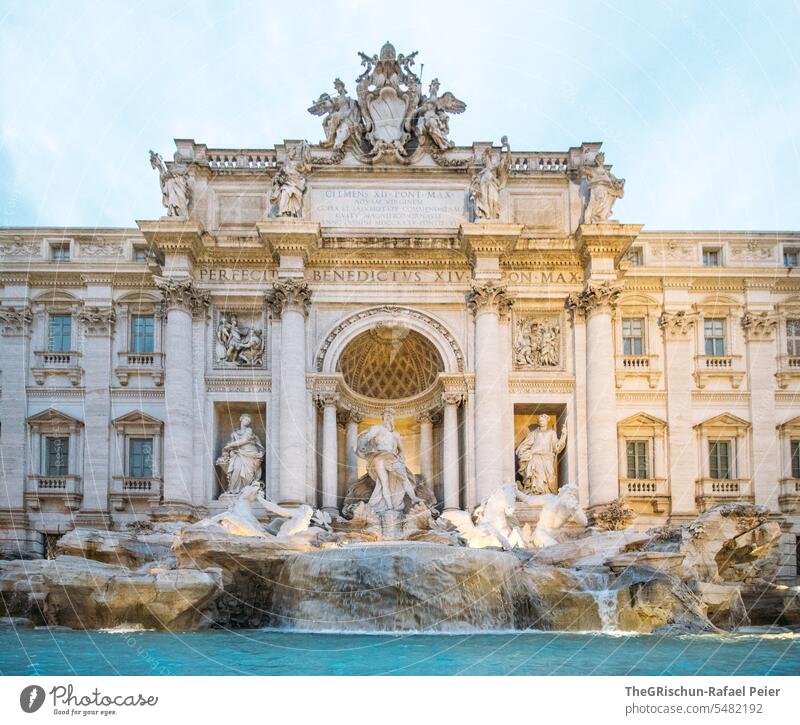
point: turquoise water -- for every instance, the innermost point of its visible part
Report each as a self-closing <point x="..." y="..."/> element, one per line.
<point x="258" y="652"/>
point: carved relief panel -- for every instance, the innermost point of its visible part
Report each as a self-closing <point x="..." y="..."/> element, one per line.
<point x="537" y="342"/>
<point x="239" y="338"/>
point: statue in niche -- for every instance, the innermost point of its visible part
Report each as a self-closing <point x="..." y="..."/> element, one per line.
<point x="242" y="457"/>
<point x="289" y="184"/>
<point x="342" y="117"/>
<point x="537" y="457"/>
<point x="382" y="448"/>
<point x="432" y="118"/>
<point x="604" y="190"/>
<point x="487" y="182"/>
<point x="241" y="345"/>
<point x="537" y="343"/>
<point x="174" y="188"/>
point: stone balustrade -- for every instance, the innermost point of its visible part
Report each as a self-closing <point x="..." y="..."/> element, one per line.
<point x="718" y="366"/>
<point x="49" y="363"/>
<point x="140" y="363"/>
<point x="788" y="369"/>
<point x="67" y="488"/>
<point x="789" y="496"/>
<point x="712" y="491"/>
<point x="126" y="490"/>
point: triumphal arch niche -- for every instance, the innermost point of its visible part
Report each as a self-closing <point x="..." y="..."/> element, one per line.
<point x="383" y="318"/>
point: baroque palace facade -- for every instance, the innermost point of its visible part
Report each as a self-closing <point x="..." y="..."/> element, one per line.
<point x="471" y="289"/>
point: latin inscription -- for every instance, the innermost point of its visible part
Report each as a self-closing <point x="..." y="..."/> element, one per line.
<point x="226" y="275"/>
<point x="374" y="208"/>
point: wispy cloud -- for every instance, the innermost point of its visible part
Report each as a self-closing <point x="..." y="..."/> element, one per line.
<point x="697" y="105"/>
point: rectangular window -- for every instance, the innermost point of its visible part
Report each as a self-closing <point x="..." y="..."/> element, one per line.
<point x="139" y="254"/>
<point x="140" y="457"/>
<point x="791" y="257"/>
<point x="635" y="257"/>
<point x="714" y="333"/>
<point x="637" y="459"/>
<point x="712" y="257"/>
<point x="632" y="336"/>
<point x="719" y="459"/>
<point x="59" y="333"/>
<point x="57" y="455"/>
<point x="142" y="333"/>
<point x="59" y="252"/>
<point x="794" y="448"/>
<point x="793" y="337"/>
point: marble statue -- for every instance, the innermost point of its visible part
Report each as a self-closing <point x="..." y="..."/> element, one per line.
<point x="557" y="510"/>
<point x="489" y="524"/>
<point x="432" y="119"/>
<point x="241" y="345"/>
<point x="289" y="184"/>
<point x="487" y="182"/>
<point x="388" y="95"/>
<point x="604" y="190"/>
<point x="239" y="518"/>
<point x="382" y="448"/>
<point x="242" y="457"/>
<point x="342" y="117"/>
<point x="537" y="457"/>
<point x="292" y="523"/>
<point x="537" y="343"/>
<point x="174" y="188"/>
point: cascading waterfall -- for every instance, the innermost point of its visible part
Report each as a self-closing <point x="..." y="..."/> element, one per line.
<point x="596" y="583"/>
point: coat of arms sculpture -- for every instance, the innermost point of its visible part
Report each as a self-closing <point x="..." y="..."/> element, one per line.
<point x="390" y="116"/>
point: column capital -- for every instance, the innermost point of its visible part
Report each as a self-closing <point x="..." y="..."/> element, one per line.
<point x="595" y="297"/>
<point x="290" y="294"/>
<point x="327" y="398"/>
<point x="183" y="293"/>
<point x="16" y="321"/>
<point x="759" y="326"/>
<point x="677" y="324"/>
<point x="97" y="321"/>
<point x="452" y="397"/>
<point x="489" y="296"/>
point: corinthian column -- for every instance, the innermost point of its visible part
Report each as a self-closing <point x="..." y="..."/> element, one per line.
<point x="426" y="446"/>
<point x="182" y="301"/>
<point x="488" y="301"/>
<point x="289" y="301"/>
<point x="450" y="457"/>
<point x="330" y="452"/>
<point x="350" y="439"/>
<point x="597" y="303"/>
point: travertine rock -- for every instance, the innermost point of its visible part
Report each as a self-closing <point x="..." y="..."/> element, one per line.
<point x="650" y="599"/>
<point x="114" y="547"/>
<point x="86" y="594"/>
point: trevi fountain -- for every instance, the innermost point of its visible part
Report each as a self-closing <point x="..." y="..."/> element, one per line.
<point x="391" y="388"/>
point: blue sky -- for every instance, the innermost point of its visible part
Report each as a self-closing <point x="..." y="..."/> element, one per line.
<point x="698" y="104"/>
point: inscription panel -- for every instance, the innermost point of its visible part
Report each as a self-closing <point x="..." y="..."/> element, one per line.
<point x="373" y="208"/>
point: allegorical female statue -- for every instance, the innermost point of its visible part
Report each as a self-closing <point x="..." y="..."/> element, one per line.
<point x="488" y="181"/>
<point x="537" y="457"/>
<point x="242" y="457"/>
<point x="381" y="447"/>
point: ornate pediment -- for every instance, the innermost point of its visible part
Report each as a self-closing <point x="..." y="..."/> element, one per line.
<point x="53" y="418"/>
<point x="723" y="423"/>
<point x="641" y="424"/>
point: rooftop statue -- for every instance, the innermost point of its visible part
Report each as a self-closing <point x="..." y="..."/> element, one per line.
<point x="342" y="117"/>
<point x="390" y="112"/>
<point x="487" y="181"/>
<point x="174" y="187"/>
<point x="604" y="189"/>
<point x="432" y="118"/>
<point x="289" y="184"/>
